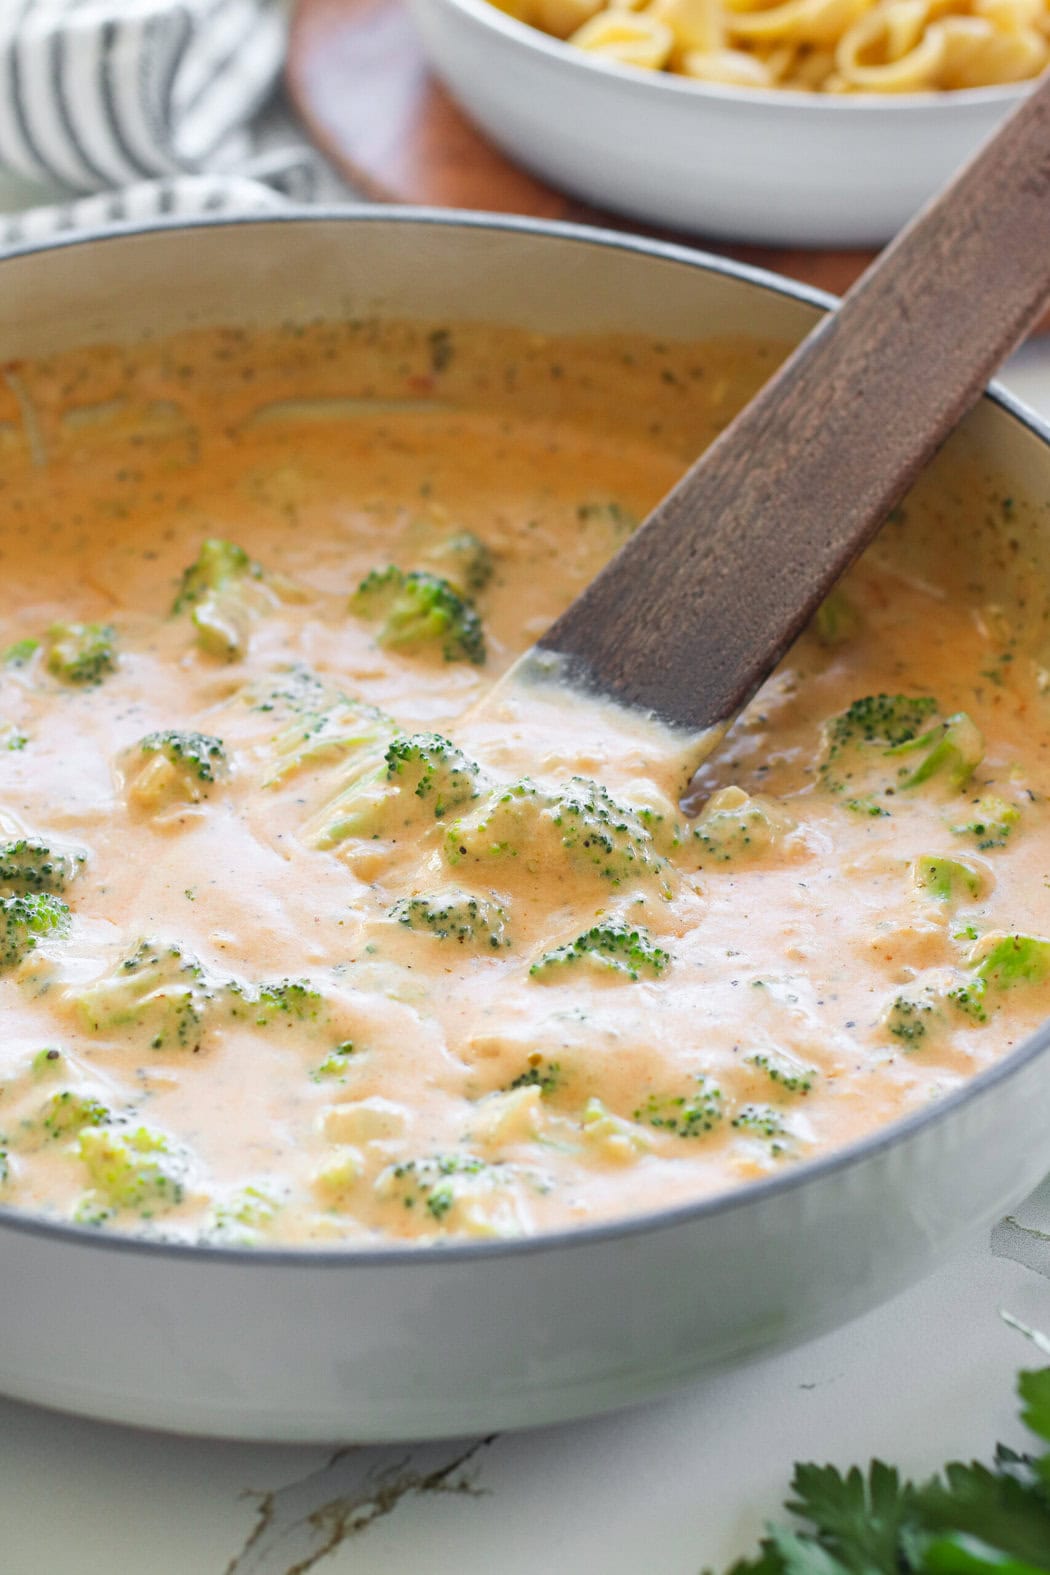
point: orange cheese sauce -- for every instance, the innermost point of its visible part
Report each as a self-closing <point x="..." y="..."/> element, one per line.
<point x="294" y="999"/>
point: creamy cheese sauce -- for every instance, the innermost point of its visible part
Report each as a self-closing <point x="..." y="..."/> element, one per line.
<point x="321" y="980"/>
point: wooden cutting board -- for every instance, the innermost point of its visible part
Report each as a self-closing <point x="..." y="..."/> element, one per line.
<point x="358" y="78"/>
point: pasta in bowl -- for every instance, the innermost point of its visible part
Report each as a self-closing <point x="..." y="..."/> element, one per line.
<point x="803" y="122"/>
<point x="829" y="46"/>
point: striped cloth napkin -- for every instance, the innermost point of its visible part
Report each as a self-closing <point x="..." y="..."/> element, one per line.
<point x="147" y="101"/>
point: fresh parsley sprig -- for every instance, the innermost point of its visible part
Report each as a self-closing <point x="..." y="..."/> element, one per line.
<point x="970" y="1519"/>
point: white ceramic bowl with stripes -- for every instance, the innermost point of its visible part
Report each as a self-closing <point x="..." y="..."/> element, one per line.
<point x="412" y="1342"/>
<point x="774" y="168"/>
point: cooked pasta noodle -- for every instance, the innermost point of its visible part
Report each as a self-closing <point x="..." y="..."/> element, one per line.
<point x="826" y="46"/>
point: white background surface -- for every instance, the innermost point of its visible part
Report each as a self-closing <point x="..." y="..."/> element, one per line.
<point x="664" y="1490"/>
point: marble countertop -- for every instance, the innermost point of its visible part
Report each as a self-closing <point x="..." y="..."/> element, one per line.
<point x="669" y="1488"/>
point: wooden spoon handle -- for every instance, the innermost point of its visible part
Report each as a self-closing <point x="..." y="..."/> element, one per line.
<point x="696" y="610"/>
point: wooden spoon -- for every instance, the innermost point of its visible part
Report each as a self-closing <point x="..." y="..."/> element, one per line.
<point x="691" y="616"/>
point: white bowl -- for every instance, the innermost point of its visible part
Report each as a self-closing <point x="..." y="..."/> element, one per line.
<point x="776" y="168"/>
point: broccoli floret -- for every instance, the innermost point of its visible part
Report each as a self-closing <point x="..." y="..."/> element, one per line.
<point x="335" y="1064"/>
<point x="548" y="1079"/>
<point x="347" y="739"/>
<point x="285" y="1001"/>
<point x="434" y="770"/>
<point x="954" y="750"/>
<point x="456" y="916"/>
<point x="12" y="738"/>
<point x="173" y="768"/>
<point x="463" y="560"/>
<point x="217" y="566"/>
<point x="686" y="1115"/>
<point x="136" y="1170"/>
<point x="622" y="521"/>
<point x="199" y="754"/>
<point x="81" y="653"/>
<point x="160" y="988"/>
<point x="1009" y="961"/>
<point x="46" y="1061"/>
<point x="29" y="864"/>
<point x="217" y="589"/>
<point x="990" y="823"/>
<point x="417" y="610"/>
<point x="784" y="1070"/>
<point x="836" y="620"/>
<point x="946" y="880"/>
<point x="26" y="921"/>
<point x="760" y="1120"/>
<point x="881" y="727"/>
<point x="1014" y="960"/>
<point x="909" y="1019"/>
<point x="734" y="825"/>
<point x="242" y="1217"/>
<point x="887" y="721"/>
<point x="21" y="653"/>
<point x="327" y="733"/>
<point x="292" y="691"/>
<point x="522" y="822"/>
<point x="621" y="950"/>
<point x="67" y="1113"/>
<point x="435" y="1184"/>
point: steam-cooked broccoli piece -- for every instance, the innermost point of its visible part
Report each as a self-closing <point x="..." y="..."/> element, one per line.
<point x="434" y="770"/>
<point x="686" y="1115"/>
<point x="46" y="1062"/>
<point x="521" y="822"/>
<point x="875" y="730"/>
<point x="437" y="1183"/>
<point x="285" y="1001"/>
<point x="990" y="822"/>
<point x="1014" y="960"/>
<point x="946" y="880"/>
<point x="29" y="864"/>
<point x="759" y="1120"/>
<point x="26" y="921"/>
<point x="886" y="721"/>
<point x="333" y="730"/>
<point x="81" y="653"/>
<point x="548" y="1079"/>
<point x="347" y="740"/>
<point x="735" y="826"/>
<point x="954" y="750"/>
<point x="173" y="768"/>
<point x="335" y="1063"/>
<point x="198" y="755"/>
<point x="132" y="1170"/>
<point x="217" y="566"/>
<point x="290" y="691"/>
<point x="218" y="591"/>
<point x="66" y="1113"/>
<point x="909" y="1018"/>
<point x="783" y="1070"/>
<point x="20" y="653"/>
<point x="836" y="620"/>
<point x="618" y="949"/>
<point x="242" y="1217"/>
<point x="12" y="737"/>
<point x="417" y="611"/>
<point x="456" y="916"/>
<point x="463" y="560"/>
<point x="1008" y="962"/>
<point x="160" y="988"/>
